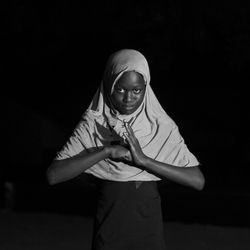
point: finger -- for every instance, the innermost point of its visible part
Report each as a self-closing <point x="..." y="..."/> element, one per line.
<point x="128" y="139"/>
<point x="126" y="136"/>
<point x="129" y="129"/>
<point x="128" y="132"/>
<point x="132" y="140"/>
<point x="126" y="126"/>
<point x="128" y="156"/>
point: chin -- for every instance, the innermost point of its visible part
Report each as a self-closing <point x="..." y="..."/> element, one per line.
<point x="127" y="112"/>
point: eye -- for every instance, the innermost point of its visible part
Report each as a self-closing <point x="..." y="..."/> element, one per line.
<point x="137" y="91"/>
<point x="119" y="90"/>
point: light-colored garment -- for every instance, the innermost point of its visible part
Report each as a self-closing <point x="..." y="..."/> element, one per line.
<point x="101" y="125"/>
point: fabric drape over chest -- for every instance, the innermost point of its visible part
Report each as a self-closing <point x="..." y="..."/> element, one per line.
<point x="102" y="125"/>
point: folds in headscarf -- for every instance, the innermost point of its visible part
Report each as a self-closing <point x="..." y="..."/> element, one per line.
<point x="102" y="125"/>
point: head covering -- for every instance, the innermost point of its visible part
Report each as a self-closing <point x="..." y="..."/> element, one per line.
<point x="102" y="125"/>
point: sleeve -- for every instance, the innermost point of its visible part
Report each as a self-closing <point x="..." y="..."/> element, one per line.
<point x="79" y="140"/>
<point x="180" y="154"/>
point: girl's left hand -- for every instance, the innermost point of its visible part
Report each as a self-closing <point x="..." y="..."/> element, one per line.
<point x="137" y="154"/>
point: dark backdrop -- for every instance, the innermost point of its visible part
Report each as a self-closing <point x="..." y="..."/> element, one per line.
<point x="53" y="55"/>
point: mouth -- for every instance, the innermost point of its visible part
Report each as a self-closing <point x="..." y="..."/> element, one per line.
<point x="128" y="107"/>
<point x="126" y="110"/>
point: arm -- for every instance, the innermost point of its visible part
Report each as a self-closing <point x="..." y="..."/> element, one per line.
<point x="63" y="170"/>
<point x="189" y="176"/>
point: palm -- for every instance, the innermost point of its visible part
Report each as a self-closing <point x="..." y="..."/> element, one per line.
<point x="135" y="148"/>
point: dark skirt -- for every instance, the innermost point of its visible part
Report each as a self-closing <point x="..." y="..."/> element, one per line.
<point x="128" y="217"/>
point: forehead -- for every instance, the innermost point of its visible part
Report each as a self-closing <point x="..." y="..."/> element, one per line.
<point x="130" y="79"/>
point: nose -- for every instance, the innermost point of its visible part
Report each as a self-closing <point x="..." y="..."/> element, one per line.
<point x="128" y="96"/>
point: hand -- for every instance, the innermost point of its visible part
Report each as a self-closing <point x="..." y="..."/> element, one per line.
<point x="120" y="153"/>
<point x="137" y="154"/>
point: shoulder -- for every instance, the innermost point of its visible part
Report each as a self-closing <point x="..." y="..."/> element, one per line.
<point x="167" y="122"/>
<point x="89" y="120"/>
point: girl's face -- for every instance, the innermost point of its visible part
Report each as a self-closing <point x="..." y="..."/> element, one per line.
<point x="128" y="92"/>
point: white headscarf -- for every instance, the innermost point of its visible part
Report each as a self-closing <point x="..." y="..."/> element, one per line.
<point x="102" y="125"/>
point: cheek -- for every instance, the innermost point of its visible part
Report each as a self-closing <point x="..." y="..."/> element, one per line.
<point x="140" y="98"/>
<point x="116" y="100"/>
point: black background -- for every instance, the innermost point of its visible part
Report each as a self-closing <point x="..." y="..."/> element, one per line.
<point x="53" y="55"/>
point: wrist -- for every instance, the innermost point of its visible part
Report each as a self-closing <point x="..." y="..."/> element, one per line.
<point x="145" y="162"/>
<point x="108" y="150"/>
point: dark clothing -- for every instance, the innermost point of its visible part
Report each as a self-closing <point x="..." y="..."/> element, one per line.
<point x="128" y="217"/>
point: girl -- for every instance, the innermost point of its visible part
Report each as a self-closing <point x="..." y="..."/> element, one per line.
<point x="126" y="140"/>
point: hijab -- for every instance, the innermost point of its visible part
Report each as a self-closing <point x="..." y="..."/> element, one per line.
<point x="102" y="125"/>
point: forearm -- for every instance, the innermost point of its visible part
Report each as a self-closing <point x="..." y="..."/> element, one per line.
<point x="63" y="170"/>
<point x="189" y="176"/>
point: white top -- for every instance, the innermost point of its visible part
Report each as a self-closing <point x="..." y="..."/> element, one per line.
<point x="101" y="125"/>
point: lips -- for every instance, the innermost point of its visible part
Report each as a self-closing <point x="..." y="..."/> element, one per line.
<point x="128" y="107"/>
